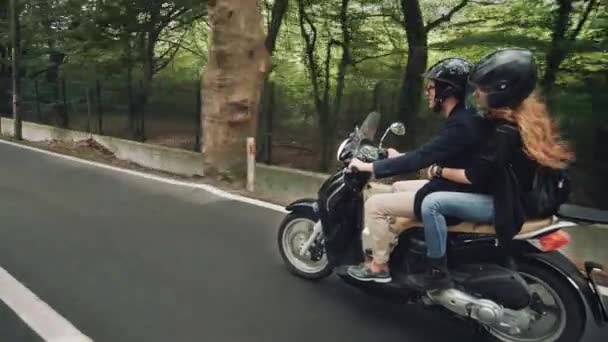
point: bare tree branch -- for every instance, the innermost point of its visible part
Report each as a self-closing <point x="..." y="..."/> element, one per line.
<point x="475" y="21"/>
<point x="366" y="58"/>
<point x="182" y="46"/>
<point x="446" y="17"/>
<point x="584" y="18"/>
<point x="489" y="2"/>
<point x="171" y="52"/>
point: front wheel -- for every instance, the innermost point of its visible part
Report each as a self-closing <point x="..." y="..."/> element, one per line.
<point x="559" y="312"/>
<point x="294" y="231"/>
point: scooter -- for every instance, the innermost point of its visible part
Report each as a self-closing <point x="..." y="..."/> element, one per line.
<point x="532" y="293"/>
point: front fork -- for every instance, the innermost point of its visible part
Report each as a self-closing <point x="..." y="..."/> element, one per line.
<point x="316" y="231"/>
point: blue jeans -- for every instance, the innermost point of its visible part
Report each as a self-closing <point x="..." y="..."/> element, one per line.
<point x="465" y="206"/>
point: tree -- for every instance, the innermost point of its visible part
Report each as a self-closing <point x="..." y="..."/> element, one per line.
<point x="16" y="56"/>
<point x="152" y="33"/>
<point x="4" y="59"/>
<point x="279" y="8"/>
<point x="237" y="64"/>
<point x="417" y="41"/>
<point x="564" y="35"/>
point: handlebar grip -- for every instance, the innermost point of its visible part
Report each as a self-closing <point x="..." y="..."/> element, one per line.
<point x="382" y="153"/>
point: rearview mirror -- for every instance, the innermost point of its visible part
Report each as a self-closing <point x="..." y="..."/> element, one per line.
<point x="396" y="128"/>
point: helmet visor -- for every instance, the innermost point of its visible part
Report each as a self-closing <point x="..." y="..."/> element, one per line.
<point x="476" y="97"/>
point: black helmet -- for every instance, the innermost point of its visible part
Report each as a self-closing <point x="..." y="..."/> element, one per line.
<point x="508" y="76"/>
<point x="450" y="76"/>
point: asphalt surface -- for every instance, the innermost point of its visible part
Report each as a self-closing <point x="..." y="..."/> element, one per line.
<point x="128" y="259"/>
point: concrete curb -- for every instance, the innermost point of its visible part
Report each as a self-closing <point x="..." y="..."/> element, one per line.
<point x="282" y="185"/>
<point x="155" y="157"/>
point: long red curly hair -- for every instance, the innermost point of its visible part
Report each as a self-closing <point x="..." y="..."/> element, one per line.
<point x="540" y="135"/>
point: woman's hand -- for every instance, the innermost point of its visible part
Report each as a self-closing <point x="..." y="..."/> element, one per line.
<point x="360" y="166"/>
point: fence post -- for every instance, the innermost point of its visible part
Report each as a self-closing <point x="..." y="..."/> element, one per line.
<point x="198" y="121"/>
<point x="66" y="121"/>
<point x="251" y="164"/>
<point x="142" y="112"/>
<point x="88" y="109"/>
<point x="99" y="108"/>
<point x="37" y="93"/>
<point x="268" y="125"/>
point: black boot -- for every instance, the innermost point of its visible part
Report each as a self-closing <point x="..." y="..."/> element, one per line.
<point x="435" y="277"/>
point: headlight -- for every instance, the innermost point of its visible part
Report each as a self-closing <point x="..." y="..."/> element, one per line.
<point x="341" y="148"/>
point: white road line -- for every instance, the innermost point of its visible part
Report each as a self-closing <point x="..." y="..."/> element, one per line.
<point x="205" y="187"/>
<point x="47" y="323"/>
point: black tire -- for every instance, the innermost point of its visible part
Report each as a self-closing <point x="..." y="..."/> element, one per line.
<point x="318" y="275"/>
<point x="575" y="308"/>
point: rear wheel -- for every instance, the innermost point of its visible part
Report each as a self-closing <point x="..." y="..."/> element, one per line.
<point x="558" y="310"/>
<point x="294" y="231"/>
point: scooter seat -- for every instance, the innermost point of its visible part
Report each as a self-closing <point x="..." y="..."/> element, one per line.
<point x="402" y="224"/>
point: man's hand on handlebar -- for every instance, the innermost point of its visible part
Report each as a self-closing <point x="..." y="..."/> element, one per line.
<point x="392" y="153"/>
<point x="357" y="165"/>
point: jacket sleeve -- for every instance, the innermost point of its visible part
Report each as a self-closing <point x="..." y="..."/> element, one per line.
<point x="453" y="139"/>
<point x="495" y="156"/>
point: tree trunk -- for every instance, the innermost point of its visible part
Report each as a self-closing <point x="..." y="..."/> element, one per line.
<point x="345" y="61"/>
<point x="232" y="82"/>
<point x="324" y="115"/>
<point x="279" y="9"/>
<point x="4" y="82"/>
<point x="148" y="45"/>
<point x="132" y="106"/>
<point x="561" y="39"/>
<point x="278" y="13"/>
<point x="557" y="51"/>
<point x="16" y="56"/>
<point x="411" y="88"/>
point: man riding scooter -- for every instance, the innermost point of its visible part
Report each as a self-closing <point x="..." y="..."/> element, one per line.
<point x="456" y="143"/>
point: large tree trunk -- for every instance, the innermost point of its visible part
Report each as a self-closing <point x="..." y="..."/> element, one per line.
<point x="411" y="87"/>
<point x="232" y="82"/>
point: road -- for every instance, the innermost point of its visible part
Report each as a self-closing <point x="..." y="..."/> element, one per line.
<point x="125" y="258"/>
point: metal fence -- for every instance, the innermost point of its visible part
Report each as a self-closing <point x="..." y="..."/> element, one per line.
<point x="107" y="106"/>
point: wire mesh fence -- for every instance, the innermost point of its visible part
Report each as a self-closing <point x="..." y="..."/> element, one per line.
<point x="170" y="115"/>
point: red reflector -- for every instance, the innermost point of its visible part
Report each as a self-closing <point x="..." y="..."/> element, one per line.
<point x="554" y="241"/>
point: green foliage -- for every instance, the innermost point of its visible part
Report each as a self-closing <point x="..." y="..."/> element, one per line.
<point x="90" y="39"/>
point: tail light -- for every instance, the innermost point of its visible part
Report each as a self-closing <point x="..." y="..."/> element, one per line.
<point x="553" y="241"/>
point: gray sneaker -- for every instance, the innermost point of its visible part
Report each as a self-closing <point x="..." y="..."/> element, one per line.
<point x="364" y="273"/>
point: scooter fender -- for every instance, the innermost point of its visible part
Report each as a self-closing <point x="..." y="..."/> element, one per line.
<point x="306" y="205"/>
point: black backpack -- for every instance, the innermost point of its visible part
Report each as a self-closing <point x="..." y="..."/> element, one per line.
<point x="550" y="189"/>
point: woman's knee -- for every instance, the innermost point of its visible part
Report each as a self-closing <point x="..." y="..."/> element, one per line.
<point x="431" y="204"/>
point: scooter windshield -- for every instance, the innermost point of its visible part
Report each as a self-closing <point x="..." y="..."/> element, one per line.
<point x="369" y="126"/>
